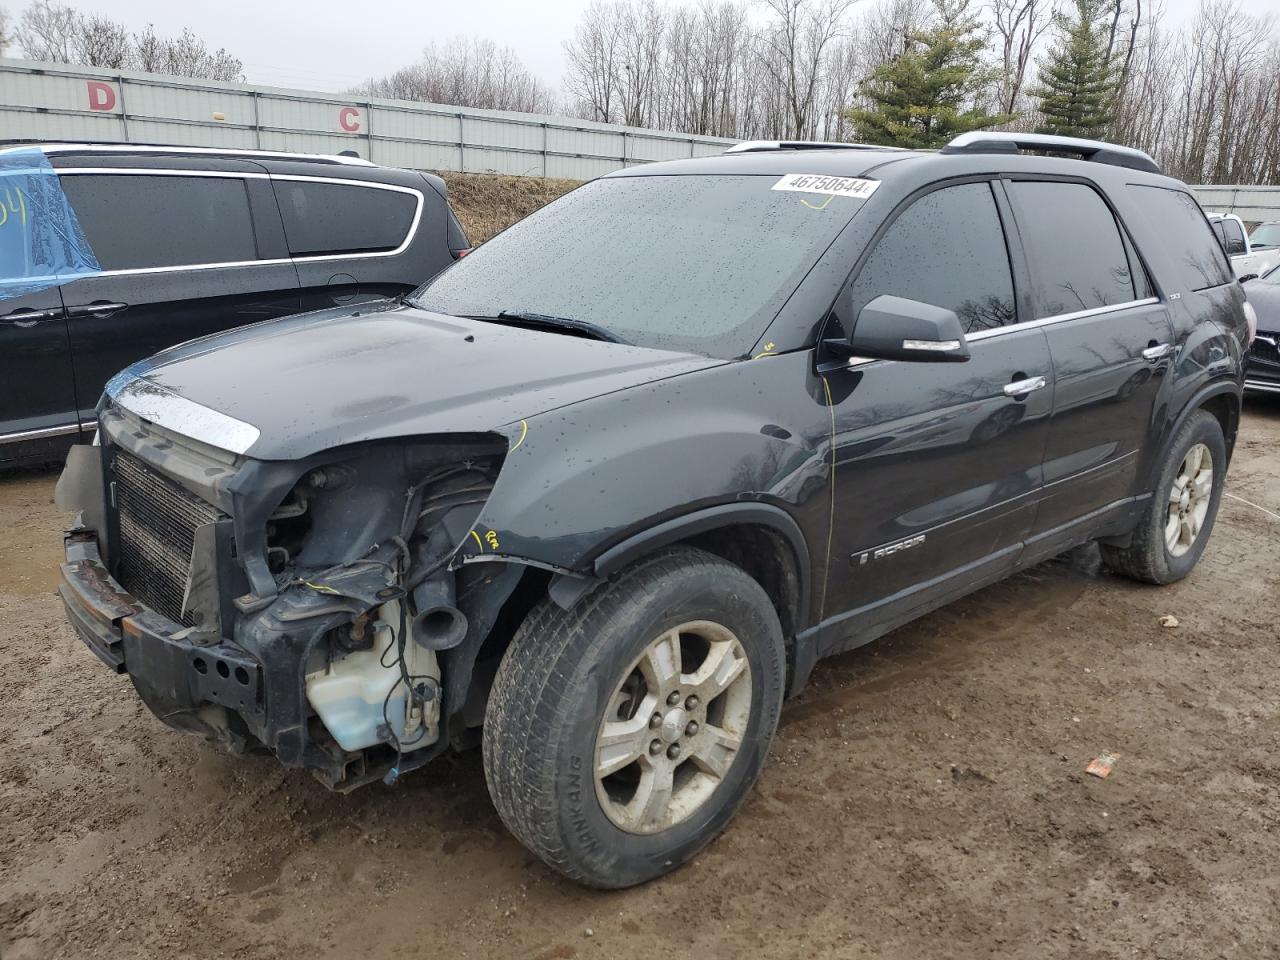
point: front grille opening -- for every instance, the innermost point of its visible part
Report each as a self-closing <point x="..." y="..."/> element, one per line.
<point x="158" y="521"/>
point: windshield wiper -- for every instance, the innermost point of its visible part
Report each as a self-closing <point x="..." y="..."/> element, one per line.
<point x="548" y="322"/>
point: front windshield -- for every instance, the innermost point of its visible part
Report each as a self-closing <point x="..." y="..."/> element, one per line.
<point x="1267" y="235"/>
<point x="696" y="263"/>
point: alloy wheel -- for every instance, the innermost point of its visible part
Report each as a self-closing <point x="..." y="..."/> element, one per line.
<point x="1189" y="498"/>
<point x="673" y="727"/>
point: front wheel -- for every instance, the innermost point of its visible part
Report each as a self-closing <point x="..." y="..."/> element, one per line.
<point x="622" y="735"/>
<point x="1176" y="525"/>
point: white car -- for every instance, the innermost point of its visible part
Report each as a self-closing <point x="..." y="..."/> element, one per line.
<point x="1246" y="259"/>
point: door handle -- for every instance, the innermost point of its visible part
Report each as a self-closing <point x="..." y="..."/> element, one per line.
<point x="1020" y="388"/>
<point x="1157" y="351"/>
<point x="29" y="318"/>
<point x="99" y="308"/>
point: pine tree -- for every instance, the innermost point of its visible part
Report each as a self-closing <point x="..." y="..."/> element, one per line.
<point x="920" y="98"/>
<point x="1077" y="87"/>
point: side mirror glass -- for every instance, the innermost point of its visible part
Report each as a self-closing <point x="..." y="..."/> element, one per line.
<point x="894" y="328"/>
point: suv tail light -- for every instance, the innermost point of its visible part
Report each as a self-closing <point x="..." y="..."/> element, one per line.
<point x="459" y="254"/>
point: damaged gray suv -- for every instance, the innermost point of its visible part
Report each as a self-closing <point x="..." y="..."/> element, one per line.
<point x="599" y="496"/>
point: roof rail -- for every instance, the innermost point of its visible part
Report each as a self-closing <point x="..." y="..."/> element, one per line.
<point x="1094" y="150"/>
<point x="756" y="146"/>
<point x="116" y="147"/>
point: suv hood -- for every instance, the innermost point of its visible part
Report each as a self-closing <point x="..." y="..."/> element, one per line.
<point x="288" y="388"/>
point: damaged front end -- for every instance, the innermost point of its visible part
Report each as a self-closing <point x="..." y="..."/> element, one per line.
<point x="315" y="608"/>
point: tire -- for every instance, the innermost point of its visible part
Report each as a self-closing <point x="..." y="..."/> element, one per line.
<point x="1149" y="557"/>
<point x="569" y="672"/>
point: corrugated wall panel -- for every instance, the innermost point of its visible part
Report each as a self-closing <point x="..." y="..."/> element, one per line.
<point x="190" y="134"/>
<point x="1250" y="203"/>
<point x="85" y="104"/>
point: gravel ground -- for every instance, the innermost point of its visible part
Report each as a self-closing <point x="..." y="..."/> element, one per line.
<point x="926" y="797"/>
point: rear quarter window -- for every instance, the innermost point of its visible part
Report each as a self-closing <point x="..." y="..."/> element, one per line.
<point x="1176" y="218"/>
<point x="330" y="218"/>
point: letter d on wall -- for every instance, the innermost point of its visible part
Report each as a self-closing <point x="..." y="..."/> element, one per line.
<point x="102" y="96"/>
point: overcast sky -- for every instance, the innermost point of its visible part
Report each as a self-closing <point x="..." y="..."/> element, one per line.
<point x="326" y="45"/>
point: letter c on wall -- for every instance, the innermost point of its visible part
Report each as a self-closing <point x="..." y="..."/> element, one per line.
<point x="349" y="119"/>
<point x="102" y="96"/>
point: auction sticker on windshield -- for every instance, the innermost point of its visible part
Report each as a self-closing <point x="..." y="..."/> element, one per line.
<point x="854" y="187"/>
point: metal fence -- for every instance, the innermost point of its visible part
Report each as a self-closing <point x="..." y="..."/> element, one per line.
<point x="58" y="102"/>
<point x="1248" y="203"/>
<point x="45" y="101"/>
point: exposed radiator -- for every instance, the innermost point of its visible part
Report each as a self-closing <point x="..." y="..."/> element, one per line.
<point x="158" y="521"/>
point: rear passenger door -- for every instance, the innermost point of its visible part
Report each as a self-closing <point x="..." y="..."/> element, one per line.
<point x="184" y="253"/>
<point x="354" y="241"/>
<point x="1111" y="342"/>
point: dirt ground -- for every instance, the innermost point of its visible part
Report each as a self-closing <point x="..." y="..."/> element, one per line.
<point x="926" y="797"/>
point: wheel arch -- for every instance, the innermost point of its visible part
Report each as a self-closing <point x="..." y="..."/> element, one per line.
<point x="760" y="538"/>
<point x="1222" y="398"/>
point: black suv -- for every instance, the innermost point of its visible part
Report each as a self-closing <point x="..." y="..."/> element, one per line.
<point x="599" y="495"/>
<point x="175" y="243"/>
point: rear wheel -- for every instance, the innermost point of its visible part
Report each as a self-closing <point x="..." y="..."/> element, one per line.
<point x="1175" y="527"/>
<point x="622" y="735"/>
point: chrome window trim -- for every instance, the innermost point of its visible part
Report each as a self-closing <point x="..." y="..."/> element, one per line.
<point x="1062" y="318"/>
<point x="1029" y="325"/>
<point x="273" y="261"/>
<point x="143" y="171"/>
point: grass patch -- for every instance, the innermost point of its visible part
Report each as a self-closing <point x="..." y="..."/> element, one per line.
<point x="488" y="203"/>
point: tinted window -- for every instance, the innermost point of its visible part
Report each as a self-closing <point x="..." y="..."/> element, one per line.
<point x="1234" y="236"/>
<point x="135" y="221"/>
<point x="331" y="218"/>
<point x="699" y="263"/>
<point x="1180" y="224"/>
<point x="1078" y="260"/>
<point x="947" y="249"/>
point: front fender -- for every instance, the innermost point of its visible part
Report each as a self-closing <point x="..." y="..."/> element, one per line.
<point x="584" y="479"/>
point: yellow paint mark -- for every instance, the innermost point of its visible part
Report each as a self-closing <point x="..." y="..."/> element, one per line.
<point x="524" y="432"/>
<point x="10" y="206"/>
<point x="321" y="588"/>
<point x="479" y="542"/>
<point x="812" y="207"/>
<point x="766" y="352"/>
<point x="491" y="538"/>
<point x="831" y="513"/>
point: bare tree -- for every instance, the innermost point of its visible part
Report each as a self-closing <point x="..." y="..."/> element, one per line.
<point x="46" y="31"/>
<point x="58" y="33"/>
<point x="593" y="60"/>
<point x="466" y="72"/>
<point x="185" y="55"/>
<point x="5" y="39"/>
<point x="795" y="47"/>
<point x="101" y="42"/>
<point x="1019" y="25"/>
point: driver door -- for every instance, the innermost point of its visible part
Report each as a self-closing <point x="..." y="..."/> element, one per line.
<point x="937" y="465"/>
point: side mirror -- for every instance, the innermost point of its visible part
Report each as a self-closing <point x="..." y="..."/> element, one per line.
<point x="1235" y="247"/>
<point x="894" y="328"/>
<point x="1247" y="277"/>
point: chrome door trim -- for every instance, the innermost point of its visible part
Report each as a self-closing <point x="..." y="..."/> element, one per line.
<point x="59" y="431"/>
